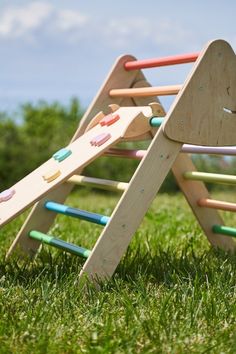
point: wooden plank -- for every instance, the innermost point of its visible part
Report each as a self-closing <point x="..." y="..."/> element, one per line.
<point x="146" y="91"/>
<point x="82" y="153"/>
<point x="143" y="187"/>
<point x="41" y="221"/>
<point x="204" y="110"/>
<point x="193" y="191"/>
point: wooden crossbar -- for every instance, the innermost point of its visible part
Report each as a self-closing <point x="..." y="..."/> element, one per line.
<point x="217" y="204"/>
<point x="77" y="213"/>
<point x="224" y="230"/>
<point x="146" y="91"/>
<point x="164" y="61"/>
<point x="189" y="149"/>
<point x="57" y="243"/>
<point x="210" y="177"/>
<point x="105" y="184"/>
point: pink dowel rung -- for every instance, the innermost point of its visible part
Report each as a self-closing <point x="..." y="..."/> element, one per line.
<point x="164" y="61"/>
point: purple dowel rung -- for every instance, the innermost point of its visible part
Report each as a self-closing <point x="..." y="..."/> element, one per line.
<point x="214" y="150"/>
<point x="190" y="149"/>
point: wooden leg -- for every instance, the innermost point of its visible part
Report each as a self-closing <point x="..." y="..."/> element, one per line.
<point x="193" y="191"/>
<point x="131" y="208"/>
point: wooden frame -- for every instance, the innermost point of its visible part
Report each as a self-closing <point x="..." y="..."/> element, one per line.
<point x="163" y="154"/>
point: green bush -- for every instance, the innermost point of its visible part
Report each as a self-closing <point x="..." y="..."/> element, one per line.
<point x="44" y="128"/>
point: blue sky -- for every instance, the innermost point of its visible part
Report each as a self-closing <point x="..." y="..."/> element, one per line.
<point x="54" y="50"/>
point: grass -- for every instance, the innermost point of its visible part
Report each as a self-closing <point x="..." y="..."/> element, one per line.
<point x="171" y="293"/>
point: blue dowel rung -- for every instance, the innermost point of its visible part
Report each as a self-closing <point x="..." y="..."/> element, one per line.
<point x="77" y="213"/>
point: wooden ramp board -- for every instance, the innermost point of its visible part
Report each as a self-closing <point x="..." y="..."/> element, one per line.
<point x="33" y="187"/>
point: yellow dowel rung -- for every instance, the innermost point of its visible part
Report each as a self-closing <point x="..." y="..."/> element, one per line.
<point x="98" y="183"/>
<point x="210" y="177"/>
<point x="146" y="91"/>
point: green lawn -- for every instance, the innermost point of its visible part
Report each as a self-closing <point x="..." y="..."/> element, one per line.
<point x="170" y="294"/>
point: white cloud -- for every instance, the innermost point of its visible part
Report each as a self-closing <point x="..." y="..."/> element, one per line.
<point x="22" y="21"/>
<point x="18" y="21"/>
<point x="70" y="20"/>
<point x="38" y="20"/>
<point x="121" y="32"/>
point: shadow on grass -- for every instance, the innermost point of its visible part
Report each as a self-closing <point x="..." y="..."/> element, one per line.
<point x="165" y="267"/>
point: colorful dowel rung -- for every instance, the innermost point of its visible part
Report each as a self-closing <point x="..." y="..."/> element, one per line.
<point x="188" y="149"/>
<point x="77" y="213"/>
<point x="209" y="150"/>
<point x="105" y="184"/>
<point x="156" y="121"/>
<point x="210" y="177"/>
<point x="216" y="204"/>
<point x="165" y="61"/>
<point x="224" y="230"/>
<point x="55" y="242"/>
<point x="146" y="91"/>
<point x="126" y="153"/>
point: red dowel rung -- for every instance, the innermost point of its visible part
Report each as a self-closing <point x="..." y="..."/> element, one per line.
<point x="152" y="63"/>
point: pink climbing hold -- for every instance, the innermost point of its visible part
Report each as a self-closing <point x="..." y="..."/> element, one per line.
<point x="109" y="119"/>
<point x="7" y="194"/>
<point x="100" y="139"/>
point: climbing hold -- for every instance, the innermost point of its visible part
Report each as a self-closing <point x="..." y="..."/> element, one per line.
<point x="100" y="139"/>
<point x="7" y="194"/>
<point x="109" y="119"/>
<point x="51" y="175"/>
<point x="62" y="154"/>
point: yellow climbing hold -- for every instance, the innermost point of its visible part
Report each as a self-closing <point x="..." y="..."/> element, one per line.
<point x="51" y="175"/>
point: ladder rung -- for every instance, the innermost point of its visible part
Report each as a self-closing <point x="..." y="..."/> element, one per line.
<point x="155" y="62"/>
<point x="216" y="204"/>
<point x="146" y="91"/>
<point x="127" y="153"/>
<point x="156" y="121"/>
<point x="99" y="183"/>
<point x="189" y="149"/>
<point x="210" y="177"/>
<point x="55" y="242"/>
<point x="77" y="213"/>
<point x="209" y="150"/>
<point x="224" y="230"/>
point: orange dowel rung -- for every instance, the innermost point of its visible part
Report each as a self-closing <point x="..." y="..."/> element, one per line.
<point x="146" y="91"/>
<point x="216" y="204"/>
<point x="152" y="63"/>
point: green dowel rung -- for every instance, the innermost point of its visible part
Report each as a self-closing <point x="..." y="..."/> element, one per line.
<point x="55" y="242"/>
<point x="224" y="230"/>
<point x="210" y="177"/>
